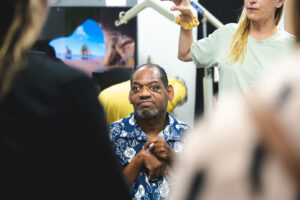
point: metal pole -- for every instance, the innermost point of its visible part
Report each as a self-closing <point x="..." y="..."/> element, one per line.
<point x="207" y="79"/>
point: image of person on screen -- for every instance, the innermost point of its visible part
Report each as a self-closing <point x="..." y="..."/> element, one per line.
<point x="241" y="51"/>
<point x="147" y="141"/>
<point x="120" y="50"/>
<point x="54" y="140"/>
<point x="120" y="42"/>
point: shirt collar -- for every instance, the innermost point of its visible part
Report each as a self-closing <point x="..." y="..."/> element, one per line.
<point x="171" y="132"/>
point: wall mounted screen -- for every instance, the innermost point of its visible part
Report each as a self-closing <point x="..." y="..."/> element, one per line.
<point x="86" y="38"/>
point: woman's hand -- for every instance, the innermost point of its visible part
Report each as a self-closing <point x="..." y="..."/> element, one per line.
<point x="184" y="7"/>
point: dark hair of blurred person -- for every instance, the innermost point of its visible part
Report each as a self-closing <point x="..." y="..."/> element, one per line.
<point x="54" y="141"/>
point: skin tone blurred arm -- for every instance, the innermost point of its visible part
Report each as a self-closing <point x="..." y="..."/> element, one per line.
<point x="289" y="16"/>
<point x="145" y="158"/>
<point x="186" y="36"/>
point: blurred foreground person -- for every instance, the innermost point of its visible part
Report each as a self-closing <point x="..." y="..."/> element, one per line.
<point x="249" y="148"/>
<point x="53" y="137"/>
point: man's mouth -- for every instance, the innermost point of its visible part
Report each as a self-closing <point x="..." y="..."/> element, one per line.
<point x="146" y="103"/>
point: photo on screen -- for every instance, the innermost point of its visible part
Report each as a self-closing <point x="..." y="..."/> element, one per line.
<point x="86" y="38"/>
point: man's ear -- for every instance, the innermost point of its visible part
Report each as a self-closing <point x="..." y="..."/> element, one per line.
<point x="170" y="92"/>
<point x="129" y="97"/>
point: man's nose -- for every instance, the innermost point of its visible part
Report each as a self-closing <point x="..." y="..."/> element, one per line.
<point x="145" y="91"/>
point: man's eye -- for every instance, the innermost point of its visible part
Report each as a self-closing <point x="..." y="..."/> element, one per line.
<point x="154" y="87"/>
<point x="135" y="88"/>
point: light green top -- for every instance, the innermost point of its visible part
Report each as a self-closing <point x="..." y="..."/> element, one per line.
<point x="211" y="51"/>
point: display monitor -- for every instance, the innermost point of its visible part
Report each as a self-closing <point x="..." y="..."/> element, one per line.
<point x="86" y="38"/>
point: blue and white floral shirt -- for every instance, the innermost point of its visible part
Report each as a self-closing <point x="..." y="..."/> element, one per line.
<point x="128" y="139"/>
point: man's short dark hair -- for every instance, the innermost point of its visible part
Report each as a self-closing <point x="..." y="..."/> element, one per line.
<point x="162" y="72"/>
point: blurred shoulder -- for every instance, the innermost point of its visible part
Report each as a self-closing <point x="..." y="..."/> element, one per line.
<point x="52" y="70"/>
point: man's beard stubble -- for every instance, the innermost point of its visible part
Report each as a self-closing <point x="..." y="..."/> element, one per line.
<point x="147" y="114"/>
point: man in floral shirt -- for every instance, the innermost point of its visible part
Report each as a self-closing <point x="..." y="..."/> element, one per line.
<point x="146" y="142"/>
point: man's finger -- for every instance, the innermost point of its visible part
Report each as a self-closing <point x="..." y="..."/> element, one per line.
<point x="147" y="144"/>
<point x="151" y="145"/>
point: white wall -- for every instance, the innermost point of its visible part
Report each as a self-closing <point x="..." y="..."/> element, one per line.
<point x="158" y="38"/>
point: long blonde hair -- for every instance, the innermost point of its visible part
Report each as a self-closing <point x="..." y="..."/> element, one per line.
<point x="22" y="31"/>
<point x="238" y="44"/>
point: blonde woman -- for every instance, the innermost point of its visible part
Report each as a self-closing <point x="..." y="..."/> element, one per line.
<point x="253" y="153"/>
<point x="240" y="51"/>
<point x="53" y="138"/>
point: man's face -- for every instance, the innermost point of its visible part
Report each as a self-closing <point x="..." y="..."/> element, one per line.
<point x="148" y="94"/>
